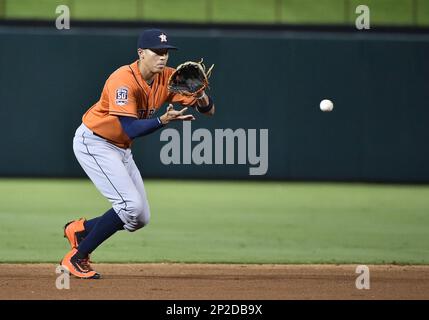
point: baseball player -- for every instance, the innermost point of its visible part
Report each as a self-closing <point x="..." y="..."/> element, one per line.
<point x="130" y="97"/>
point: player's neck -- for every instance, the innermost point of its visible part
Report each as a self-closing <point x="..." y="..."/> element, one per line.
<point x="146" y="74"/>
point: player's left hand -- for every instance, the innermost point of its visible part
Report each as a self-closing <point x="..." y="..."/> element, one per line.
<point x="190" y="78"/>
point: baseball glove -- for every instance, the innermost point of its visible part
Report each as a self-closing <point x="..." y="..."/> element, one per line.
<point x="190" y="78"/>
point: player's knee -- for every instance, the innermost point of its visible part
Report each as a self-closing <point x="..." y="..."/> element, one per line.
<point x="142" y="220"/>
<point x="139" y="215"/>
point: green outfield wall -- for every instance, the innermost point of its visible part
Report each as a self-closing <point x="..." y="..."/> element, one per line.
<point x="274" y="80"/>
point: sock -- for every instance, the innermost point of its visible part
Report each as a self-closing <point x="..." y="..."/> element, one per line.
<point x="90" y="224"/>
<point x="105" y="227"/>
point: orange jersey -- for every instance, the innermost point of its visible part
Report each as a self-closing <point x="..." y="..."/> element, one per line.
<point x="126" y="93"/>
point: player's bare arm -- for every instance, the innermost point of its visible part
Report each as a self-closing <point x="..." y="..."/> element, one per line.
<point x="204" y="102"/>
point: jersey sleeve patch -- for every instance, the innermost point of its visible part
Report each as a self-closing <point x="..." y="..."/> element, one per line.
<point x="121" y="97"/>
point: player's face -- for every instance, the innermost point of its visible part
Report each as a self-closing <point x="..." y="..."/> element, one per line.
<point x="155" y="59"/>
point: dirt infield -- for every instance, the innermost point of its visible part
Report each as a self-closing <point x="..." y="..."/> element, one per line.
<point x="216" y="281"/>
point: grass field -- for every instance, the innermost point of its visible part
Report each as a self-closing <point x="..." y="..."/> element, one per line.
<point x="392" y="12"/>
<point x="237" y="222"/>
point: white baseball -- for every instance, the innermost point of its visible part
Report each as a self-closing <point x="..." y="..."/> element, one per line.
<point x="326" y="105"/>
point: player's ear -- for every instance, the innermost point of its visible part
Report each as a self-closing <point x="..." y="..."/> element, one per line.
<point x="140" y="52"/>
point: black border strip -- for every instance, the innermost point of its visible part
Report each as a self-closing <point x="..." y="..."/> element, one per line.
<point x="270" y="309"/>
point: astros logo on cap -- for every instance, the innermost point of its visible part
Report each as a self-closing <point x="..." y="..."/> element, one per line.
<point x="163" y="37"/>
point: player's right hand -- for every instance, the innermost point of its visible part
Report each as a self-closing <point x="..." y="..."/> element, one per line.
<point x="173" y="115"/>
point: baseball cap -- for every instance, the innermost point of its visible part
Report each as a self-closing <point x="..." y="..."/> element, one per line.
<point x="154" y="39"/>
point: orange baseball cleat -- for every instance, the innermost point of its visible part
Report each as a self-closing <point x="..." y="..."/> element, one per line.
<point x="74" y="231"/>
<point x="79" y="267"/>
